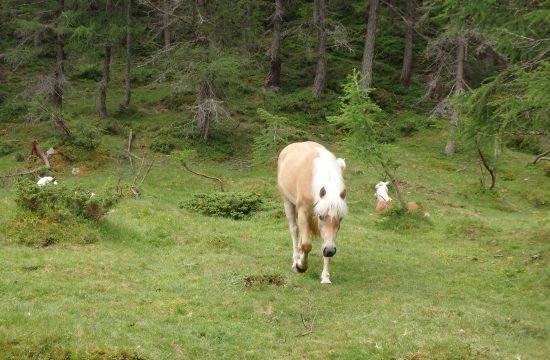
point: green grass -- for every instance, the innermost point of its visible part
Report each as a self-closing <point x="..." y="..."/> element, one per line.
<point x="152" y="280"/>
<point x="162" y="282"/>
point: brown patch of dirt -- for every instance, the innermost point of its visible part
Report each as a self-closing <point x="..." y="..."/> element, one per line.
<point x="101" y="354"/>
<point x="58" y="163"/>
<point x="255" y="280"/>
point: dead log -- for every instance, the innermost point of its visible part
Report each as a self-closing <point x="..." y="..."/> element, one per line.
<point x="37" y="151"/>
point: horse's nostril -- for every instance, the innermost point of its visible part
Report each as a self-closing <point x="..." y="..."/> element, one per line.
<point x="329" y="252"/>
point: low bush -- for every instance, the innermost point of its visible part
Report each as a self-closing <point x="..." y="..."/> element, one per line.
<point x="162" y="145"/>
<point x="537" y="197"/>
<point x="395" y="219"/>
<point x="234" y="205"/>
<point x="7" y="147"/>
<point x="58" y="202"/>
<point x="88" y="72"/>
<point x="10" y="111"/>
<point x="529" y="144"/>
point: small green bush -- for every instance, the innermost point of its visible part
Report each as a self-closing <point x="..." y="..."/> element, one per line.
<point x="88" y="72"/>
<point x="162" y="145"/>
<point x="85" y="135"/>
<point x="234" y="205"/>
<point x="59" y="202"/>
<point x="395" y="219"/>
<point x="538" y="197"/>
<point x="7" y="147"/>
<point x="10" y="111"/>
<point x="529" y="144"/>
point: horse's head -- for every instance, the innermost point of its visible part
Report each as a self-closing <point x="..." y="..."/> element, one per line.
<point x="330" y="210"/>
<point x="381" y="193"/>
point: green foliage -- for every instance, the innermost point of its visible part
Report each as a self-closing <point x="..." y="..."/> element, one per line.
<point x="530" y="144"/>
<point x="7" y="147"/>
<point x="162" y="145"/>
<point x="538" y="197"/>
<point x="58" y="203"/>
<point x="276" y="134"/>
<point x="234" y="205"/>
<point x="359" y="120"/>
<point x="88" y="72"/>
<point x="11" y="110"/>
<point x="395" y="219"/>
<point x="86" y="135"/>
<point x="184" y="156"/>
<point x="512" y="103"/>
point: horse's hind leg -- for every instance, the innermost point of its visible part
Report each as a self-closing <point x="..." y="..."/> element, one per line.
<point x="290" y="211"/>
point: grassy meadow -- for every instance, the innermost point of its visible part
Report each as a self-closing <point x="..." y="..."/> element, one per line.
<point x="152" y="280"/>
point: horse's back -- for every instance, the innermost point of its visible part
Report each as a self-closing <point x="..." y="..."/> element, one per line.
<point x="295" y="170"/>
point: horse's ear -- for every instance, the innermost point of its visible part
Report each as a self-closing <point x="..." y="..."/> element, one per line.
<point x="322" y="192"/>
<point x="387" y="183"/>
<point x="342" y="163"/>
<point x="343" y="194"/>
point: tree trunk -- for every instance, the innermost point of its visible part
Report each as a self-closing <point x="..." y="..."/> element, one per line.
<point x="274" y="75"/>
<point x="126" y="102"/>
<point x="204" y="111"/>
<point x="106" y="68"/>
<point x="396" y="187"/>
<point x="405" y="78"/>
<point x="320" y="82"/>
<point x="450" y="148"/>
<point x="368" y="52"/>
<point x="57" y="95"/>
<point x="166" y="24"/>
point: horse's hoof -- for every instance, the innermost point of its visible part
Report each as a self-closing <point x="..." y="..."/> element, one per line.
<point x="298" y="269"/>
<point x="325" y="281"/>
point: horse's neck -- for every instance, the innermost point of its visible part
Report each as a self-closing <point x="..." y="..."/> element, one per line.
<point x="383" y="196"/>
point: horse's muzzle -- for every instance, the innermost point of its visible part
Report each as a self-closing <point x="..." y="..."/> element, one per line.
<point x="329" y="251"/>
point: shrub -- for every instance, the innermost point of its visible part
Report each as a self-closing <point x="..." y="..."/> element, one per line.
<point x="88" y="72"/>
<point x="277" y="132"/>
<point x="59" y="202"/>
<point x="163" y="146"/>
<point x="234" y="205"/>
<point x="395" y="219"/>
<point x="7" y="147"/>
<point x="537" y="197"/>
<point x="10" y="111"/>
<point x="85" y="135"/>
<point x="529" y="144"/>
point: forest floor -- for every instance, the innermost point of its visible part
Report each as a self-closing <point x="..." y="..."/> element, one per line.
<point x="153" y="280"/>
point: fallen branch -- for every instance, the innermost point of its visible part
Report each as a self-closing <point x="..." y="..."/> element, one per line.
<point x="205" y="176"/>
<point x="129" y="149"/>
<point x="28" y="172"/>
<point x="542" y="157"/>
<point x="133" y="187"/>
<point x="308" y="327"/>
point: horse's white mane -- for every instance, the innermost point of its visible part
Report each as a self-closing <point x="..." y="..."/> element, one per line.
<point x="327" y="173"/>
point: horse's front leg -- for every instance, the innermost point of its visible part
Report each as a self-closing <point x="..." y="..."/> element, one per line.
<point x="290" y="211"/>
<point x="305" y="240"/>
<point x="325" y="274"/>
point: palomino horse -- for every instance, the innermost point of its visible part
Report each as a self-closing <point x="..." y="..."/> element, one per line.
<point x="384" y="201"/>
<point x="310" y="180"/>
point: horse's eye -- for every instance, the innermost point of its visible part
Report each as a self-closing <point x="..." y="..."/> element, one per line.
<point x="321" y="217"/>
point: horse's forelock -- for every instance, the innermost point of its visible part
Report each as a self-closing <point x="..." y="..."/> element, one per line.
<point x="327" y="174"/>
<point x="332" y="206"/>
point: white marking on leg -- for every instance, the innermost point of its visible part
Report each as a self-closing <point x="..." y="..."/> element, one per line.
<point x="325" y="274"/>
